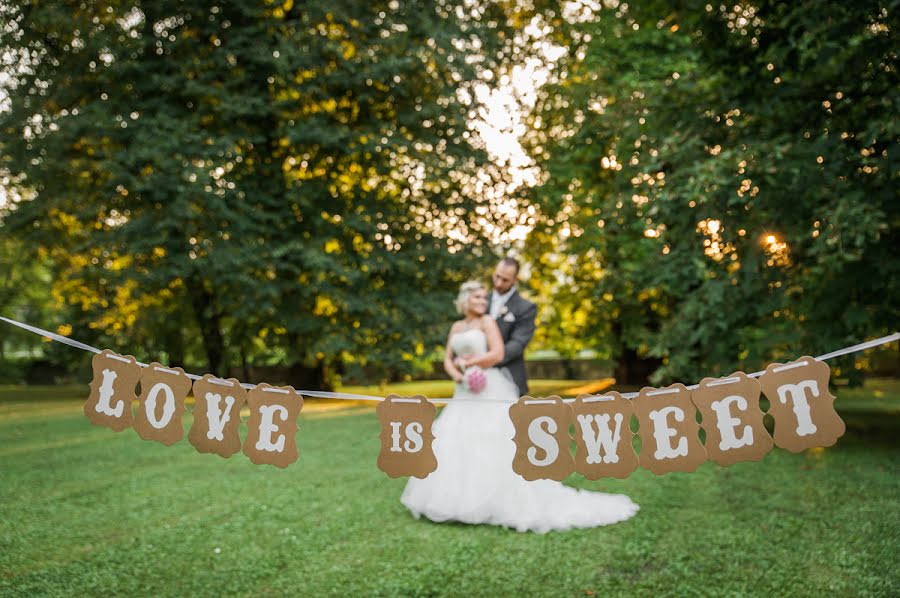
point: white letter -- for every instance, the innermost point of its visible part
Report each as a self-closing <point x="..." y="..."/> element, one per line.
<point x="538" y="436"/>
<point x="797" y="393"/>
<point x="106" y="393"/>
<point x="414" y="433"/>
<point x="168" y="407"/>
<point x="267" y="428"/>
<point x="662" y="433"/>
<point x="395" y="437"/>
<point x="216" y="418"/>
<point x="605" y="437"/>
<point x="727" y="424"/>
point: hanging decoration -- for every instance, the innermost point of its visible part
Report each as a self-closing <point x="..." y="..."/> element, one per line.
<point x="161" y="404"/>
<point x="406" y="437"/>
<point x="801" y="404"/>
<point x="542" y="438"/>
<point x="603" y="436"/>
<point x="217" y="415"/>
<point x="112" y="390"/>
<point x="667" y="424"/>
<point x="727" y="409"/>
<point x="272" y="427"/>
<point x="738" y="433"/>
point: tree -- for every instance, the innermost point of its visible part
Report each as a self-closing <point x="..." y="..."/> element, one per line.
<point x="723" y="179"/>
<point x="295" y="177"/>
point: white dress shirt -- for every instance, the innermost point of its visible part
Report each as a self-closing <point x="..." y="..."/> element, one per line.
<point x="498" y="301"/>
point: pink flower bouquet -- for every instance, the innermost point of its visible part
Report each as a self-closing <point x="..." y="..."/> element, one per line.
<point x="475" y="379"/>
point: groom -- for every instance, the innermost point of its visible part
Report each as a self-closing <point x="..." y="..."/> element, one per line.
<point x="515" y="317"/>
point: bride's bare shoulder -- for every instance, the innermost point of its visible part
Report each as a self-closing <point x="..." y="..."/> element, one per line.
<point x="488" y="322"/>
<point x="457" y="326"/>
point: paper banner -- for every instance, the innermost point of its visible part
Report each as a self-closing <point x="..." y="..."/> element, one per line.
<point x="161" y="404"/>
<point x="112" y="390"/>
<point x="603" y="436"/>
<point x="542" y="438"/>
<point x="406" y="436"/>
<point x="669" y="432"/>
<point x="217" y="415"/>
<point x="732" y="419"/>
<point x="272" y="427"/>
<point x="801" y="404"/>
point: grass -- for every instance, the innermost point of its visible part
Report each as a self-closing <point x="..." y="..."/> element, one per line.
<point x="87" y="511"/>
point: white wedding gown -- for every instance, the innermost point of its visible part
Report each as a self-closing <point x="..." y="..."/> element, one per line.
<point x="474" y="482"/>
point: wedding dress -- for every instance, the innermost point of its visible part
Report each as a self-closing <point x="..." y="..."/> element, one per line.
<point x="474" y="482"/>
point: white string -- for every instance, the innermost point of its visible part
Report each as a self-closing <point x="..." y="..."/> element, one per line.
<point x="322" y="394"/>
<point x="52" y="335"/>
<point x="790" y="366"/>
<point x="597" y="399"/>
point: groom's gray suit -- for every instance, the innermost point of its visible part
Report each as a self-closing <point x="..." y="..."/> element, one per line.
<point x="516" y="323"/>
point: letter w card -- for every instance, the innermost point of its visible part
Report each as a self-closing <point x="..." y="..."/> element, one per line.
<point x="603" y="436"/>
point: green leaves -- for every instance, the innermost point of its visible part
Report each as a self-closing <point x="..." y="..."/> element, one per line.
<point x="284" y="174"/>
<point x="733" y="193"/>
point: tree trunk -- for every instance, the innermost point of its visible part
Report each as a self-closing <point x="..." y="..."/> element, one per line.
<point x="632" y="369"/>
<point x="302" y="376"/>
<point x="245" y="366"/>
<point x="175" y="347"/>
<point x="210" y="325"/>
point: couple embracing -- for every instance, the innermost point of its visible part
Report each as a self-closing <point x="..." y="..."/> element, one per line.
<point x="474" y="482"/>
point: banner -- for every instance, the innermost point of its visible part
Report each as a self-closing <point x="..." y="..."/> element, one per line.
<point x="672" y="438"/>
<point x="406" y="436"/>
<point x="733" y="404"/>
<point x="801" y="405"/>
<point x="542" y="438"/>
<point x="668" y="427"/>
<point x="272" y="427"/>
<point x="603" y="436"/>
<point x="731" y="416"/>
<point x="217" y="414"/>
<point x="727" y="409"/>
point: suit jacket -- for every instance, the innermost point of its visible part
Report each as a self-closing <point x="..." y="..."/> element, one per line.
<point x="516" y="323"/>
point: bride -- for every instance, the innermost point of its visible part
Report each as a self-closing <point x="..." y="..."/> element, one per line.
<point x="474" y="481"/>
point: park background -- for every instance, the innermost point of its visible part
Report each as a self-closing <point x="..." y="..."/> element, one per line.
<point x="292" y="192"/>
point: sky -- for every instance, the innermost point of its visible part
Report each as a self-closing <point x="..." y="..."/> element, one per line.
<point x="507" y="103"/>
<point x="503" y="125"/>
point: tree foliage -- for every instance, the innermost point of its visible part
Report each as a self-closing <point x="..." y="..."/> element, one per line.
<point x="721" y="183"/>
<point x="257" y="181"/>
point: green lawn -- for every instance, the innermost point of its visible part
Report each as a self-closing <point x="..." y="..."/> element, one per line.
<point x="88" y="511"/>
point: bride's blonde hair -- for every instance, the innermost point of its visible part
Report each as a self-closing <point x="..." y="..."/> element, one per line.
<point x="462" y="300"/>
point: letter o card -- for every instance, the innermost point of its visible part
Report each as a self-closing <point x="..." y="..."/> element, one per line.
<point x="272" y="427"/>
<point x="801" y="404"/>
<point x="732" y="419"/>
<point x="217" y="415"/>
<point x="112" y="390"/>
<point x="542" y="438"/>
<point x="603" y="436"/>
<point x="670" y="435"/>
<point x="406" y="438"/>
<point x="161" y="404"/>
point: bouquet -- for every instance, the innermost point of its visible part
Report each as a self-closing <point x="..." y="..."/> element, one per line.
<point x="474" y="379"/>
